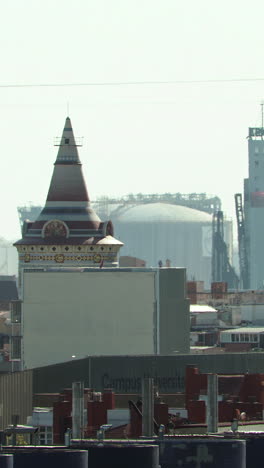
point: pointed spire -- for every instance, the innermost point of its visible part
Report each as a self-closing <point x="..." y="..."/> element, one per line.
<point x="67" y="222"/>
<point x="67" y="183"/>
<point x="68" y="152"/>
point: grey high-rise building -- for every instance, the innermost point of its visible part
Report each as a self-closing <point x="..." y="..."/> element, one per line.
<point x="254" y="208"/>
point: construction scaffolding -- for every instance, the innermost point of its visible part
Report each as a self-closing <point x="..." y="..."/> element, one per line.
<point x="104" y="206"/>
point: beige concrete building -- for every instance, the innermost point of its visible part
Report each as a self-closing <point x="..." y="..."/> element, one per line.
<point x="69" y="315"/>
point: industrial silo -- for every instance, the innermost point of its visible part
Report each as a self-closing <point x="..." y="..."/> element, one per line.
<point x="157" y="232"/>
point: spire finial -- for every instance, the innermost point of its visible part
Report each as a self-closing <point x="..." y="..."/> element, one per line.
<point x="68" y="152"/>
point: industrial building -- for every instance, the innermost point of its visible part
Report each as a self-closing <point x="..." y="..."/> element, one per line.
<point x="21" y="391"/>
<point x="242" y="339"/>
<point x="157" y="232"/>
<point x="237" y="393"/>
<point x="225" y="321"/>
<point x="175" y="230"/>
<point x="168" y="230"/>
<point x="250" y="217"/>
<point x="121" y="311"/>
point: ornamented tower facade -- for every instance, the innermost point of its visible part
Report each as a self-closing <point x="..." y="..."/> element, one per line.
<point x="68" y="232"/>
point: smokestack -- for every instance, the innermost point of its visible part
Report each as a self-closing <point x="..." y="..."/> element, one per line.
<point x="147" y="407"/>
<point x="77" y="410"/>
<point x="212" y="403"/>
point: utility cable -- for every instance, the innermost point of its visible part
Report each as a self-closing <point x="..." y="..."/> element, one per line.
<point x="130" y="83"/>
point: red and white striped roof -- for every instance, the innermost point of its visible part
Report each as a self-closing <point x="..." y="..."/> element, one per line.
<point x="68" y="203"/>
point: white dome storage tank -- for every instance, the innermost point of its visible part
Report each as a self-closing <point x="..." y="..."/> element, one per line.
<point x="159" y="231"/>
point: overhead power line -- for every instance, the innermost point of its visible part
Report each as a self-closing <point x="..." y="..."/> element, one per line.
<point x="129" y="83"/>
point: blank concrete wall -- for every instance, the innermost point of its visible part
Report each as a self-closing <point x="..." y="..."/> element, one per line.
<point x="87" y="313"/>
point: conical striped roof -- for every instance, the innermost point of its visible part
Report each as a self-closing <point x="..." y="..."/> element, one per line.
<point x="67" y="217"/>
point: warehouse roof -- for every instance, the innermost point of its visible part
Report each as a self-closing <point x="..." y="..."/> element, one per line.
<point x="245" y="330"/>
<point x="199" y="308"/>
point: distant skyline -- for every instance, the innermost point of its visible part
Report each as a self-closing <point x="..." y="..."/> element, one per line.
<point x="186" y="134"/>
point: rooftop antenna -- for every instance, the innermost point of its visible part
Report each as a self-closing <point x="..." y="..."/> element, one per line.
<point x="68" y="109"/>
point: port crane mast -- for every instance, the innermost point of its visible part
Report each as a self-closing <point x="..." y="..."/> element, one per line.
<point x="242" y="245"/>
<point x="222" y="269"/>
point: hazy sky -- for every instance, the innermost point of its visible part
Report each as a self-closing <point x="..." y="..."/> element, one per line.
<point x="150" y="138"/>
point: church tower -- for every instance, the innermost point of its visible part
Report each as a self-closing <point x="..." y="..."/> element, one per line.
<point x="68" y="232"/>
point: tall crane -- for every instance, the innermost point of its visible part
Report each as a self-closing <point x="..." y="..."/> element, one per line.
<point x="242" y="245"/>
<point x="222" y="270"/>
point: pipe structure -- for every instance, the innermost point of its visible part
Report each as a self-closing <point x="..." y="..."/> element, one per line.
<point x="147" y="407"/>
<point x="212" y="403"/>
<point x="77" y="410"/>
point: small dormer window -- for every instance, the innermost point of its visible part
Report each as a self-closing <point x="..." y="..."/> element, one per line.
<point x="66" y="141"/>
